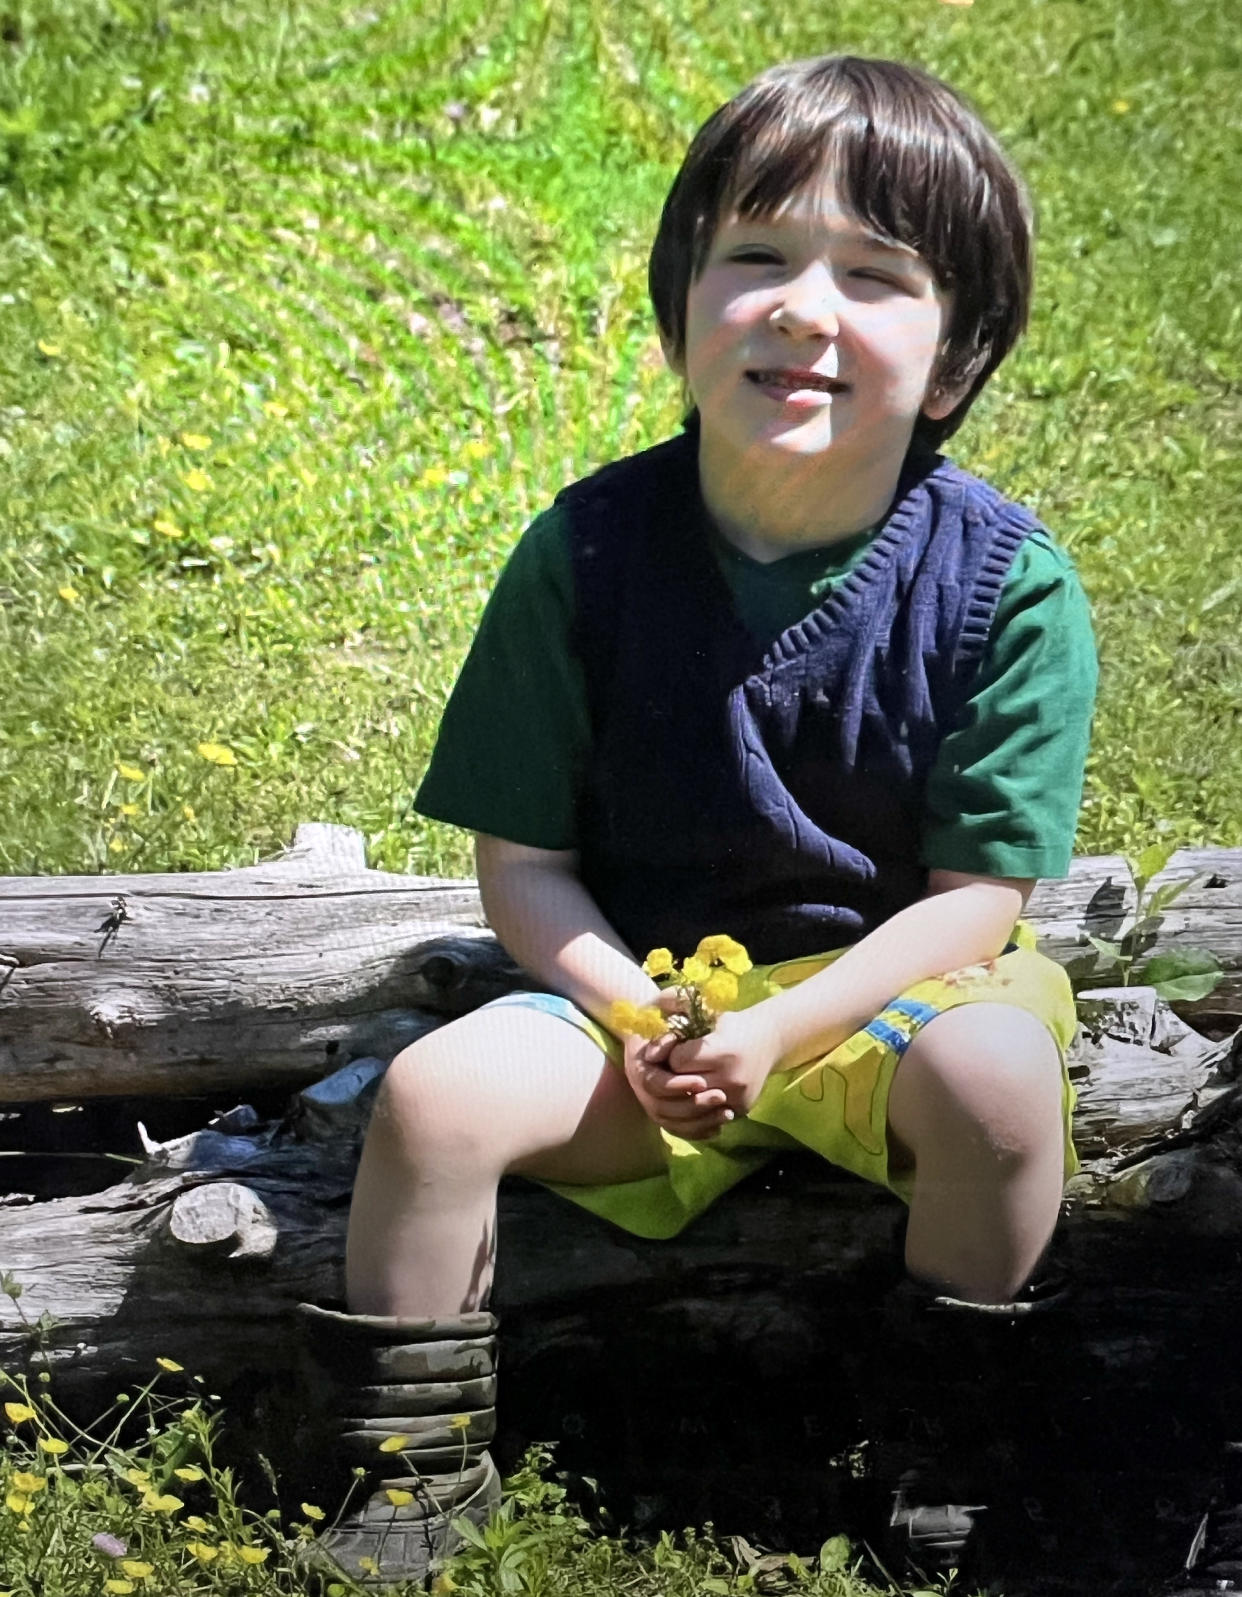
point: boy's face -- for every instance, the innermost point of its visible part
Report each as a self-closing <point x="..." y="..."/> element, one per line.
<point x="808" y="338"/>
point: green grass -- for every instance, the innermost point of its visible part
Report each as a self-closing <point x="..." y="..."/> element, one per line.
<point x="389" y="259"/>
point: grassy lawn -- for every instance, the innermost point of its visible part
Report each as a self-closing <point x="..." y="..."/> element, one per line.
<point x="306" y="307"/>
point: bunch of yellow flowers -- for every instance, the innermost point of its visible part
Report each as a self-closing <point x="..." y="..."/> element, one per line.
<point x="706" y="983"/>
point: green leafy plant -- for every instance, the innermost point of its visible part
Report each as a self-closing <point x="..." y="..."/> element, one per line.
<point x="1188" y="974"/>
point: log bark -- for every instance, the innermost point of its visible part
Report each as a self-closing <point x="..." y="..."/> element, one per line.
<point x="273" y="974"/>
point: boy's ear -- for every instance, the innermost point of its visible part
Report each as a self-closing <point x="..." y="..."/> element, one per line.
<point x="675" y="363"/>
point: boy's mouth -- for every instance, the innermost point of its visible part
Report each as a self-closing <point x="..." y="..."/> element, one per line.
<point x="789" y="379"/>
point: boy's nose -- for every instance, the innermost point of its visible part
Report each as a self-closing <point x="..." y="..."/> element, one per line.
<point x="808" y="305"/>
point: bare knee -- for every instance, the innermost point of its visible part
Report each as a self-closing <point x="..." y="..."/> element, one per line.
<point x="427" y="1109"/>
<point x="986" y="1073"/>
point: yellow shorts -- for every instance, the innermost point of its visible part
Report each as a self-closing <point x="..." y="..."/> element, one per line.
<point x="837" y="1105"/>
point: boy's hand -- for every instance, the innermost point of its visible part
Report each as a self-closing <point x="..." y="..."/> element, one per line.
<point x="683" y="1105"/>
<point x="735" y="1059"/>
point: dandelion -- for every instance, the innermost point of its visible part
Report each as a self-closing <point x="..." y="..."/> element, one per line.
<point x="167" y="528"/>
<point x="19" y="1412"/>
<point x="171" y="1364"/>
<point x="157" y="1503"/>
<point x="198" y="441"/>
<point x="196" y="480"/>
<point x="397" y="1497"/>
<point x="216" y="754"/>
<point x="53" y="1445"/>
<point x="131" y="773"/>
<point x="136" y="1569"/>
<point x="658" y="962"/>
<point x="203" y="1551"/>
<point x="30" y="1484"/>
<point x="188" y="1472"/>
<point x="312" y="1512"/>
<point x="69" y="593"/>
<point x="253" y="1555"/>
<point x="394" y="1444"/>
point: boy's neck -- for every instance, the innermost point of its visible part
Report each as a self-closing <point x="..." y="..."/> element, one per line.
<point x="769" y="512"/>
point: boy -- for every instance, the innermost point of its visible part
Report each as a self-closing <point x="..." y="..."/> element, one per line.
<point x="791" y="677"/>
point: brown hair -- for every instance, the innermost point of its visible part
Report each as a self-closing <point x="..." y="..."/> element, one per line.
<point x="914" y="161"/>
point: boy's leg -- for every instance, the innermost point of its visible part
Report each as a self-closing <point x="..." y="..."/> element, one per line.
<point x="502" y="1090"/>
<point x="975" y="1107"/>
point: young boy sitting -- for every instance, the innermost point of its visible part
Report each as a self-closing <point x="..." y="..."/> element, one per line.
<point x="790" y="676"/>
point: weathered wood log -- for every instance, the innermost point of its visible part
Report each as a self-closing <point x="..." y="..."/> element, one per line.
<point x="275" y="973"/>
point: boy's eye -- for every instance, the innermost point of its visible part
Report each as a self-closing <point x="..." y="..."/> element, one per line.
<point x="755" y="253"/>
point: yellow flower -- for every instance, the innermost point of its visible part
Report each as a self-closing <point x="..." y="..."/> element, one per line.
<point x="155" y="1503"/>
<point x="621" y="1013"/>
<point x="196" y="1522"/>
<point x="187" y="811"/>
<point x="18" y="1503"/>
<point x="726" y="951"/>
<point x="720" y="989"/>
<point x="69" y="593"/>
<point x="474" y="449"/>
<point x="171" y="1364"/>
<point x="203" y="1551"/>
<point x="217" y="753"/>
<point x="441" y="1586"/>
<point x="196" y="440"/>
<point x="131" y="773"/>
<point x="312" y="1512"/>
<point x="628" y="1020"/>
<point x="433" y="477"/>
<point x="650" y="1023"/>
<point x="738" y="961"/>
<point x="369" y="1564"/>
<point x="696" y="970"/>
<point x="118" y="1585"/>
<point x="50" y="350"/>
<point x="188" y="1472"/>
<point x="196" y="480"/>
<point x="459" y="1422"/>
<point x="137" y="1477"/>
<point x="253" y="1555"/>
<point x="17" y="1412"/>
<point x="30" y="1484"/>
<point x="116" y="846"/>
<point x="275" y="409"/>
<point x="53" y="1445"/>
<point x="136" y="1569"/>
<point x="129" y="809"/>
<point x="397" y="1497"/>
<point x="394" y="1444"/>
<point x="658" y="962"/>
<point x="167" y="528"/>
<point x="1120" y="107"/>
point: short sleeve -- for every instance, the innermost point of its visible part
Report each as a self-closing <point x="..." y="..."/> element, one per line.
<point x="512" y="741"/>
<point x="1004" y="794"/>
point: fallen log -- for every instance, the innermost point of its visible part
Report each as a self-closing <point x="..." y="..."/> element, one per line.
<point x="275" y="973"/>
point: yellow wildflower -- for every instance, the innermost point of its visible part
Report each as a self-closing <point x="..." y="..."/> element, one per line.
<point x="658" y="962"/>
<point x="738" y="961"/>
<point x="196" y="480"/>
<point x="131" y="773"/>
<point x="726" y="951"/>
<point x="136" y="1569"/>
<point x="129" y="809"/>
<point x="171" y="1364"/>
<point x="69" y="593"/>
<point x="312" y="1512"/>
<point x="197" y="1522"/>
<point x="369" y="1564"/>
<point x="720" y="989"/>
<point x="275" y="409"/>
<point x="629" y="1020"/>
<point x="217" y="753"/>
<point x="157" y="1503"/>
<point x="1120" y="107"/>
<point x="441" y="1586"/>
<point x="53" y="1445"/>
<point x="167" y="528"/>
<point x="138" y="1477"/>
<point x="116" y="846"/>
<point x="394" y="1444"/>
<point x="118" y="1585"/>
<point x="397" y="1497"/>
<point x="30" y="1484"/>
<point x="51" y="351"/>
<point x="621" y="1013"/>
<point x="459" y="1422"/>
<point x="18" y="1503"/>
<point x="17" y="1412"/>
<point x="433" y="477"/>
<point x="188" y="1472"/>
<point x="196" y="440"/>
<point x="696" y="970"/>
<point x="474" y="449"/>
<point x="203" y="1551"/>
<point x="253" y="1555"/>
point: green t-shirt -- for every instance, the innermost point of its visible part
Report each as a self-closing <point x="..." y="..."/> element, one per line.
<point x="1003" y="795"/>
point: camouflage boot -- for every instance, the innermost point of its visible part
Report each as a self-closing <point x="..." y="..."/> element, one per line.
<point x="414" y="1406"/>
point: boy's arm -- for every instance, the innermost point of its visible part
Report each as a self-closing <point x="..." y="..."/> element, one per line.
<point x="961" y="920"/>
<point x="537" y="906"/>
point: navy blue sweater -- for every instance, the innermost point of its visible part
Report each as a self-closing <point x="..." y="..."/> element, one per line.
<point x="771" y="792"/>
